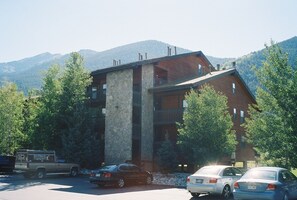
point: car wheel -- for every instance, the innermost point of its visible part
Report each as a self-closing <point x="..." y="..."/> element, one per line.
<point x="121" y="183"/>
<point x="74" y="172"/>
<point x="195" y="194"/>
<point x="286" y="197"/>
<point x="149" y="180"/>
<point x="40" y="174"/>
<point x="226" y="192"/>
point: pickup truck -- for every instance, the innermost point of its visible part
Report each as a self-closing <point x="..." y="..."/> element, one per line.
<point x="39" y="164"/>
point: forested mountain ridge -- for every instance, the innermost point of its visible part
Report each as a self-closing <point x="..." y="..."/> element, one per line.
<point x="245" y="63"/>
<point x="27" y="73"/>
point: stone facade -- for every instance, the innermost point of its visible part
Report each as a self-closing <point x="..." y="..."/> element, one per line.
<point x="118" y="119"/>
<point x="147" y="116"/>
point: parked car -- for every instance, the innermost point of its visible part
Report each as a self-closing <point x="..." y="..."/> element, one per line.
<point x="7" y="163"/>
<point x="120" y="175"/>
<point x="214" y="180"/>
<point x="273" y="183"/>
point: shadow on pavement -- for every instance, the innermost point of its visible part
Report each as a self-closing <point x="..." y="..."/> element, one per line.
<point x="12" y="182"/>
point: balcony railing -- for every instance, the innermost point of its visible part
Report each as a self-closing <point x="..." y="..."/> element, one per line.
<point x="168" y="116"/>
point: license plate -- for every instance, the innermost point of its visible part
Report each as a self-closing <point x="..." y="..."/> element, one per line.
<point x="199" y="180"/>
<point x="252" y="187"/>
<point x="97" y="175"/>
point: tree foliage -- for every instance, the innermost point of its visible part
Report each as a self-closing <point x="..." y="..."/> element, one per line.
<point x="64" y="122"/>
<point x="11" y="118"/>
<point x="206" y="133"/>
<point x="272" y="127"/>
<point x="167" y="157"/>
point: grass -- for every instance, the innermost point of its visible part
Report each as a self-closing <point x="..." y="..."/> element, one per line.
<point x="294" y="171"/>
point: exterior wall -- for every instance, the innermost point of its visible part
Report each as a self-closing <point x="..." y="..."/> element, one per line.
<point x="147" y="113"/>
<point x="118" y="119"/>
<point x="184" y="67"/>
<point x="240" y="101"/>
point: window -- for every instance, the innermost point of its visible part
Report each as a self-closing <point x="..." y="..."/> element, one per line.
<point x="199" y="69"/>
<point x="233" y="88"/>
<point x="241" y="116"/>
<point x="243" y="141"/>
<point x="103" y="111"/>
<point x="94" y="92"/>
<point x="228" y="172"/>
<point x="104" y="87"/>
<point x="234" y="113"/>
<point x="185" y="104"/>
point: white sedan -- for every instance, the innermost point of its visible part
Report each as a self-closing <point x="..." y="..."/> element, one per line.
<point x="213" y="179"/>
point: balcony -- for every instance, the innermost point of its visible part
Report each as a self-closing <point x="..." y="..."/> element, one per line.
<point x="168" y="116"/>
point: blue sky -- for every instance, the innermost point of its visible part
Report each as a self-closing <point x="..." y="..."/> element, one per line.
<point x="221" y="28"/>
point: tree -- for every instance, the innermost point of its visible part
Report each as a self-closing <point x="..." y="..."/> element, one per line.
<point x="47" y="135"/>
<point x="272" y="127"/>
<point x="30" y="114"/>
<point x="206" y="132"/>
<point x="11" y="118"/>
<point x="167" y="157"/>
<point x="78" y="140"/>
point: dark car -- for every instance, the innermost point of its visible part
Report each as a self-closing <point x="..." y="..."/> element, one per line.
<point x="120" y="175"/>
<point x="271" y="183"/>
<point x="7" y="163"/>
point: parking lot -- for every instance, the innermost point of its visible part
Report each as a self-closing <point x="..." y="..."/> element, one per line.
<point x="15" y="187"/>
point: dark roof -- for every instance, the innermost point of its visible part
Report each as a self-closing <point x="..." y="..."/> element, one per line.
<point x="149" y="61"/>
<point x="194" y="82"/>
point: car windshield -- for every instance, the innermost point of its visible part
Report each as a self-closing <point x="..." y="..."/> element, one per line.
<point x="260" y="174"/>
<point x="109" y="167"/>
<point x="209" y="171"/>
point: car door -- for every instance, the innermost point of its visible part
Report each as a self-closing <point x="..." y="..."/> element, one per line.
<point x="290" y="182"/>
<point x="228" y="175"/>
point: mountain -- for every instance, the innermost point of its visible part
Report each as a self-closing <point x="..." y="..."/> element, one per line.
<point x="28" y="73"/>
<point x="245" y="63"/>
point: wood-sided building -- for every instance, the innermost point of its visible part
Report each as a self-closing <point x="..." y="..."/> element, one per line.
<point x="136" y="105"/>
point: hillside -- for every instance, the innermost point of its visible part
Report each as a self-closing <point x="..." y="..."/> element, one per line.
<point x="27" y="73"/>
<point x="245" y="64"/>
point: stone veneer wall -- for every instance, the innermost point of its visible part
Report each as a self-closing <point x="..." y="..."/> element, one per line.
<point x="118" y="119"/>
<point x="147" y="113"/>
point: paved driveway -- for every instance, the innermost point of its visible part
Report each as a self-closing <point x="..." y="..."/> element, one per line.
<point x="15" y="187"/>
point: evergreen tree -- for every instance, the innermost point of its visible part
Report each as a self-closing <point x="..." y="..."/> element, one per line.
<point x="79" y="142"/>
<point x="47" y="135"/>
<point x="206" y="132"/>
<point x="272" y="127"/>
<point x="167" y="157"/>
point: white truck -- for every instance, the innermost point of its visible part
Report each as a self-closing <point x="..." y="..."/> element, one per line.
<point x="40" y="163"/>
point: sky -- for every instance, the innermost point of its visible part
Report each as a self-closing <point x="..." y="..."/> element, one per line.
<point x="220" y="28"/>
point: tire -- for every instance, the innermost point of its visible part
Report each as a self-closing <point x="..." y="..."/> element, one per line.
<point x="40" y="174"/>
<point x="74" y="172"/>
<point x="286" y="197"/>
<point x="121" y="183"/>
<point x="195" y="194"/>
<point x="226" y="193"/>
<point x="148" y="180"/>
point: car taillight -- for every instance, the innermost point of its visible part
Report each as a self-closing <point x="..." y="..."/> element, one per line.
<point x="213" y="180"/>
<point x="236" y="185"/>
<point x="271" y="187"/>
<point x="107" y="175"/>
<point x="188" y="179"/>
